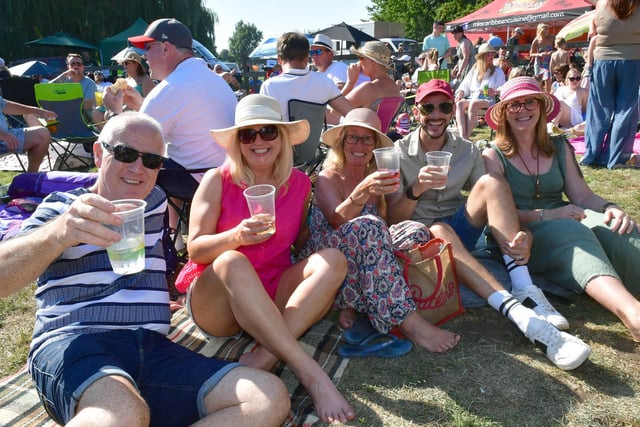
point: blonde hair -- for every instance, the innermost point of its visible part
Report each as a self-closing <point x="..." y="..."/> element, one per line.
<point x="505" y="138"/>
<point x="540" y="29"/>
<point x="482" y="67"/>
<point x="241" y="173"/>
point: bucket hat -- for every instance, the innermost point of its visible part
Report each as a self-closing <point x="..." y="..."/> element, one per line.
<point x="362" y="117"/>
<point x="375" y="51"/>
<point x="517" y="87"/>
<point x="258" y="109"/>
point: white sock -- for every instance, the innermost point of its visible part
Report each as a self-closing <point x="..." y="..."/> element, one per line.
<point x="508" y="306"/>
<point x="519" y="274"/>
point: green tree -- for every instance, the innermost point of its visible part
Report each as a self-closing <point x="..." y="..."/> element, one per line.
<point x="28" y="20"/>
<point x="245" y="39"/>
<point x="418" y="15"/>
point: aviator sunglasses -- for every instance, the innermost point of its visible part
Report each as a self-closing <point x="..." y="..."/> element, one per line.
<point x="426" y="109"/>
<point x="125" y="154"/>
<point x="267" y="133"/>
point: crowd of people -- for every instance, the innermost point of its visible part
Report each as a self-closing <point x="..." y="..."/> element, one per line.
<point x="334" y="240"/>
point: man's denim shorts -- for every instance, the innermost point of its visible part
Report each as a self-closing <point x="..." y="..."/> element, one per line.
<point x="18" y="133"/>
<point x="468" y="234"/>
<point x="172" y="379"/>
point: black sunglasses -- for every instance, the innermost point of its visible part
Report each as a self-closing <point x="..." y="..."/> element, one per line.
<point x="267" y="133"/>
<point x="574" y="79"/>
<point x="125" y="154"/>
<point x="426" y="109"/>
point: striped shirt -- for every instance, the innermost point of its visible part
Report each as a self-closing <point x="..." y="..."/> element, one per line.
<point x="80" y="293"/>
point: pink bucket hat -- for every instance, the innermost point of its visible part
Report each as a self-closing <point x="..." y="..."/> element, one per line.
<point x="522" y="86"/>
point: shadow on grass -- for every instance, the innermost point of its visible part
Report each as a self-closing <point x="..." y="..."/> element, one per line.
<point x="494" y="377"/>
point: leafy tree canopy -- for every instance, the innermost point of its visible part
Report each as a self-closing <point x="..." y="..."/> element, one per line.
<point x="245" y="38"/>
<point x="418" y="15"/>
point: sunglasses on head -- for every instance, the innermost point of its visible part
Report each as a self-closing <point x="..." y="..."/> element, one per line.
<point x="267" y="133"/>
<point x="316" y="52"/>
<point x="426" y="109"/>
<point x="575" y="79"/>
<point x="125" y="154"/>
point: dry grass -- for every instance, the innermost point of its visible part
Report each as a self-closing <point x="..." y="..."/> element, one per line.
<point x="495" y="377"/>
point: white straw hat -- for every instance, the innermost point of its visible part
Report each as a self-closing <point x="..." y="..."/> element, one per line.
<point x="258" y="109"/>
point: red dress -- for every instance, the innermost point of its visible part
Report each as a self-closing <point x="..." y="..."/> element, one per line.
<point x="273" y="256"/>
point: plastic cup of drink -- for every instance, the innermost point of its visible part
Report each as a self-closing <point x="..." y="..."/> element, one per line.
<point x="387" y="159"/>
<point x="441" y="160"/>
<point x="98" y="98"/>
<point x="128" y="256"/>
<point x="261" y="200"/>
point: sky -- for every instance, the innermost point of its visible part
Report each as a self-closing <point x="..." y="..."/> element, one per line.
<point x="276" y="17"/>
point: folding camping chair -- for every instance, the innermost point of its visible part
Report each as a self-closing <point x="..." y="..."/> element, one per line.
<point x="424" y="75"/>
<point x="309" y="155"/>
<point x="387" y="109"/>
<point x="72" y="138"/>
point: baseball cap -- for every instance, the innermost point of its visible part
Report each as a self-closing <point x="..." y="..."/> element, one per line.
<point x="457" y="29"/>
<point x="434" y="86"/>
<point x="165" y="30"/>
<point x="518" y="30"/>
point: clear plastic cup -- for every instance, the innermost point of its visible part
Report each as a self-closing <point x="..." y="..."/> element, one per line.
<point x="262" y="207"/>
<point x="441" y="160"/>
<point x="128" y="255"/>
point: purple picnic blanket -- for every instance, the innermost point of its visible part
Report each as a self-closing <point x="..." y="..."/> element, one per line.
<point x="27" y="190"/>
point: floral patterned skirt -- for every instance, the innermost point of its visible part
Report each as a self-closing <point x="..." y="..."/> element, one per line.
<point x="374" y="284"/>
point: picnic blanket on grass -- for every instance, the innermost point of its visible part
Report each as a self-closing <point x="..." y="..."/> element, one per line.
<point x="579" y="145"/>
<point x="20" y="406"/>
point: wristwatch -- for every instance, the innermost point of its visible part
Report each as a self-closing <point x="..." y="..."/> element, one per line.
<point x="409" y="194"/>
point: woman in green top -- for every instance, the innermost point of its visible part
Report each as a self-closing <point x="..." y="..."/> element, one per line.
<point x="586" y="244"/>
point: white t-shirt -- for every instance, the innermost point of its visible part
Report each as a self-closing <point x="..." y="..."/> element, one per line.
<point x="190" y="102"/>
<point x="305" y="84"/>
<point x="337" y="72"/>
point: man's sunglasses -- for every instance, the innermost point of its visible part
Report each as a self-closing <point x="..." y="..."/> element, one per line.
<point x="267" y="133"/>
<point x="125" y="154"/>
<point x="426" y="109"/>
<point x="316" y="52"/>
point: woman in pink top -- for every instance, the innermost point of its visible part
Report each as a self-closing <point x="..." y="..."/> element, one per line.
<point x="245" y="279"/>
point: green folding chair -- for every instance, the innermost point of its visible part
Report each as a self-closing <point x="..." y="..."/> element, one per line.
<point x="424" y="76"/>
<point x="72" y="138"/>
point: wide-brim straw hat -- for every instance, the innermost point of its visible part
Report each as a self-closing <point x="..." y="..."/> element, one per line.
<point x="258" y="109"/>
<point x="362" y="117"/>
<point x="131" y="56"/>
<point x="376" y="51"/>
<point x="517" y="87"/>
<point x="486" y="48"/>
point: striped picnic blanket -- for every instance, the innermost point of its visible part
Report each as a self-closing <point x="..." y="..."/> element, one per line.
<point x="20" y="406"/>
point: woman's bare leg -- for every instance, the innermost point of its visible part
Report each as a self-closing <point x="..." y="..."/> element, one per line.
<point x="612" y="295"/>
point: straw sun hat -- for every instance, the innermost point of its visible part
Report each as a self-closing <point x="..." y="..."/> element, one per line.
<point x="257" y="109"/>
<point x="362" y="117"/>
<point x="517" y="87"/>
<point x="375" y="51"/>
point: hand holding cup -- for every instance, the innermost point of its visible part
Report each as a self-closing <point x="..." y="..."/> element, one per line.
<point x="261" y="203"/>
<point x="438" y="165"/>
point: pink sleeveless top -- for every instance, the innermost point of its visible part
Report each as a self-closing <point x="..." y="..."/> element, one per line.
<point x="273" y="256"/>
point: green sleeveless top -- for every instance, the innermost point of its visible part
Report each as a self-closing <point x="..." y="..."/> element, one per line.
<point x="552" y="183"/>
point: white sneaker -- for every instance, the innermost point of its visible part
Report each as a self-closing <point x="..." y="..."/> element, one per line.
<point x="532" y="297"/>
<point x="565" y="351"/>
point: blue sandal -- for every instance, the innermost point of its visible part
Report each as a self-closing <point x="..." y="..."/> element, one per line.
<point x="361" y="330"/>
<point x="377" y="345"/>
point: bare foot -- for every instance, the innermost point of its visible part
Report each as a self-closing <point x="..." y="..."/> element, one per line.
<point x="330" y="405"/>
<point x="347" y="317"/>
<point x="427" y="335"/>
<point x="259" y="358"/>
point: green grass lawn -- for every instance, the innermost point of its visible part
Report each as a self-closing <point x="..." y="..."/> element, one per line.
<point x="495" y="377"/>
